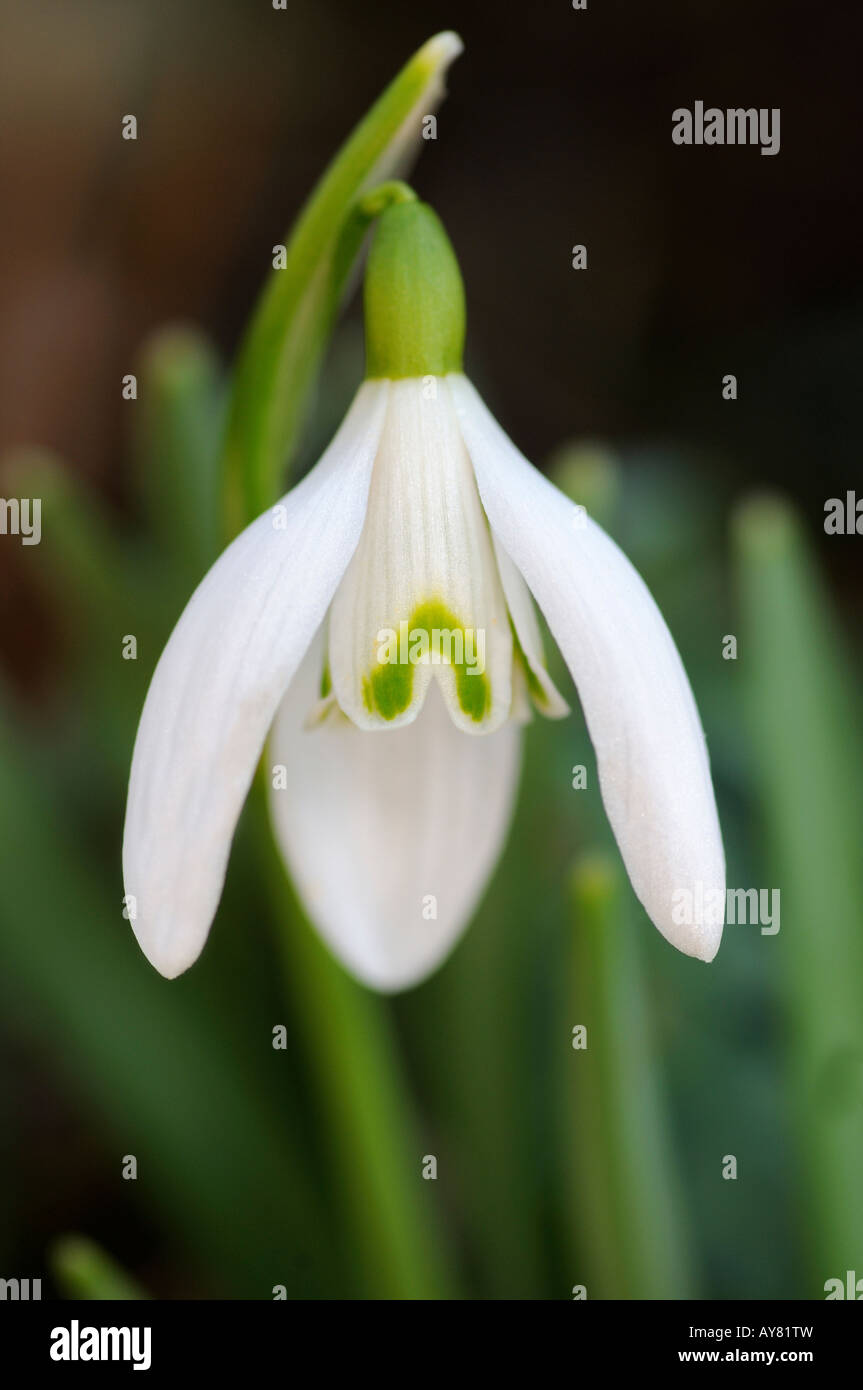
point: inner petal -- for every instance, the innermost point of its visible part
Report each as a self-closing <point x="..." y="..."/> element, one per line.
<point x="529" y="655"/>
<point x="422" y="598"/>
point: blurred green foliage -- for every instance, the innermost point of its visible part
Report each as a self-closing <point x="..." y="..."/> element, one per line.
<point x="83" y="1270"/>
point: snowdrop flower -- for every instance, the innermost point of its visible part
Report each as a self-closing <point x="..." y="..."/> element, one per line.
<point x="393" y="773"/>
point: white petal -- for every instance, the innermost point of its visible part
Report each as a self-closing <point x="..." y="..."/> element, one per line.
<point x="375" y="825"/>
<point x="537" y="681"/>
<point x="424" y="564"/>
<point x="218" y="683"/>
<point x="651" y="754"/>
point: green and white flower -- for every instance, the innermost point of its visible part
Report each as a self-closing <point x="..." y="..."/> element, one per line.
<point x="399" y="776"/>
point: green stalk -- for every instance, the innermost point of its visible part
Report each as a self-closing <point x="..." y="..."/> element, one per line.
<point x="375" y="1149"/>
<point x="621" y="1181"/>
<point x="806" y="747"/>
<point x="284" y="345"/>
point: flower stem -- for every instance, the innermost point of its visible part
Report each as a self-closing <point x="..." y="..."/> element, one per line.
<point x="374" y="1144"/>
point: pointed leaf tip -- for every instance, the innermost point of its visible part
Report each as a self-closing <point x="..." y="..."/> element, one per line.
<point x="442" y="49"/>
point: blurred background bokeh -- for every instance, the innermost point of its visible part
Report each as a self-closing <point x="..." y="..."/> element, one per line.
<point x="302" y="1166"/>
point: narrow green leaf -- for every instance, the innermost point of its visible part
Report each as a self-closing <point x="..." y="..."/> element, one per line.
<point x="80" y="553"/>
<point x="621" y="1182"/>
<point x="179" y="415"/>
<point x="284" y="345"/>
<point x="806" y="748"/>
<point x="104" y="589"/>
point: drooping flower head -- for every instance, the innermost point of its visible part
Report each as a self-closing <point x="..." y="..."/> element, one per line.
<point x="379" y="624"/>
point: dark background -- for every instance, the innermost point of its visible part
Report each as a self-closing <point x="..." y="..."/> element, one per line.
<point x="557" y="130"/>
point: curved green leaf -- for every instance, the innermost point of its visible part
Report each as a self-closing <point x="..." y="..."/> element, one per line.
<point x="286" y="339"/>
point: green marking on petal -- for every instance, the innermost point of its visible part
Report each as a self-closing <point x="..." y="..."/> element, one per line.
<point x="326" y="681"/>
<point x="391" y="689"/>
<point x="388" y="690"/>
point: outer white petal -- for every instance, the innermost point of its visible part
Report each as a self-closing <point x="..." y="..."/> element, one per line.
<point x="425" y="561"/>
<point x="652" y="758"/>
<point x="218" y="683"/>
<point x="373" y="824"/>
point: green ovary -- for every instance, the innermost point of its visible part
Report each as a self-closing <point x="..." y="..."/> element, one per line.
<point x="388" y="689"/>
